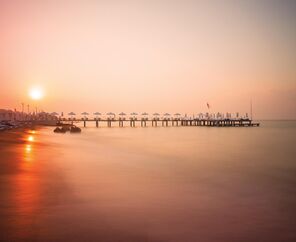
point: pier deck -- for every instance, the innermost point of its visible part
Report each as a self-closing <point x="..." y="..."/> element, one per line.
<point x="109" y="122"/>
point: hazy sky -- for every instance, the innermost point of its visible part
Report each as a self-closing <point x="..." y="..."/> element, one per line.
<point x="153" y="56"/>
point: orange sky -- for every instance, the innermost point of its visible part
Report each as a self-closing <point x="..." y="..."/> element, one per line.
<point x="153" y="56"/>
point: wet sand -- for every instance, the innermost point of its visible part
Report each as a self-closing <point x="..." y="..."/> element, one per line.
<point x="148" y="184"/>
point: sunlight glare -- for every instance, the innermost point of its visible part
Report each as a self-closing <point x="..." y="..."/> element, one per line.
<point x="36" y="93"/>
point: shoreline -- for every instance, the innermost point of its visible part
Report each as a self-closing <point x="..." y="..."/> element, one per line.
<point x="6" y="125"/>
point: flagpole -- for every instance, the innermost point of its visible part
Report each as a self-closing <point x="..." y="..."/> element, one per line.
<point x="251" y="107"/>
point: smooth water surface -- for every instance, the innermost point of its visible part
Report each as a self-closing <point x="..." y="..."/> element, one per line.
<point x="202" y="184"/>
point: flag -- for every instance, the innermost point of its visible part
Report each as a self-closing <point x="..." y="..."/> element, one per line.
<point x="208" y="105"/>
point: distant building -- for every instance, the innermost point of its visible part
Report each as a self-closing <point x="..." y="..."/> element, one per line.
<point x="9" y="115"/>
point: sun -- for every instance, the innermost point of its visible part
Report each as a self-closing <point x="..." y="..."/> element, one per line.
<point x="36" y="93"/>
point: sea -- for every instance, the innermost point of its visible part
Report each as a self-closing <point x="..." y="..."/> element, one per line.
<point x="158" y="184"/>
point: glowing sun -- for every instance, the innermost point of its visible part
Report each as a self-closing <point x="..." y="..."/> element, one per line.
<point x="36" y="93"/>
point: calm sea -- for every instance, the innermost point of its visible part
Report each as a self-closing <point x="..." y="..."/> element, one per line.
<point x="176" y="184"/>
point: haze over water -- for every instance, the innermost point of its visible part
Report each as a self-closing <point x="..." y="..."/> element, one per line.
<point x="84" y="58"/>
<point x="150" y="56"/>
<point x="149" y="184"/>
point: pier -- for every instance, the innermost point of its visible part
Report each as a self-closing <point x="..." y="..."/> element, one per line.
<point x="132" y="120"/>
<point x="166" y="122"/>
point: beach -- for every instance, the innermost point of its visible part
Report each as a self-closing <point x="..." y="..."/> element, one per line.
<point x="149" y="184"/>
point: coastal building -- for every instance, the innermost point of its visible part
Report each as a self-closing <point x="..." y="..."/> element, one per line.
<point x="10" y="115"/>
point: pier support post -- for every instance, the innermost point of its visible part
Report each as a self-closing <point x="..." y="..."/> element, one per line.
<point x="133" y="123"/>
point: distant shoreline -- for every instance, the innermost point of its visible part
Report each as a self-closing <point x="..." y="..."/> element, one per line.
<point x="6" y="126"/>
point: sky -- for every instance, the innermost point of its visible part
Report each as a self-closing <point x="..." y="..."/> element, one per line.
<point x="150" y="56"/>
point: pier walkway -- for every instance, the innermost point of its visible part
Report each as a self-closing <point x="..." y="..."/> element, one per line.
<point x="144" y="122"/>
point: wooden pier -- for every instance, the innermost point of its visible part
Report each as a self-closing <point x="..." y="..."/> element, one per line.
<point x="155" y="122"/>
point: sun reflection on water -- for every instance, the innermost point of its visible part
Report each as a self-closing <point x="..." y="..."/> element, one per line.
<point x="31" y="138"/>
<point x="28" y="148"/>
<point x="27" y="187"/>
